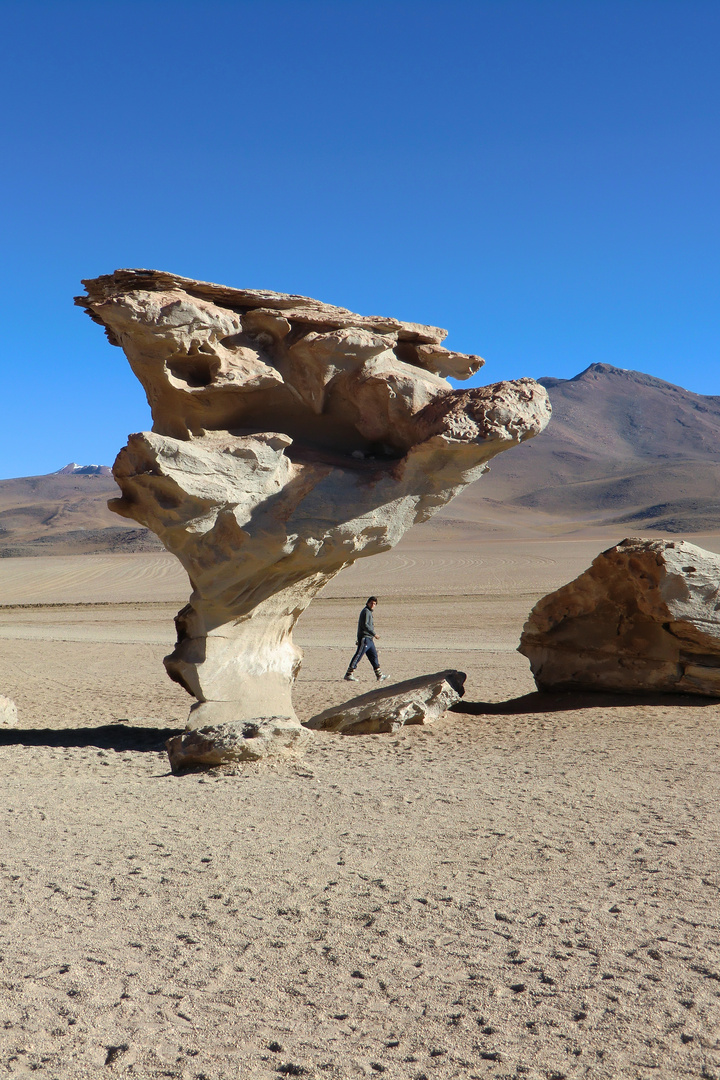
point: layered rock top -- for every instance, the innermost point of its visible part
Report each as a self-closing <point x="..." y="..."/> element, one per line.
<point x="215" y="358"/>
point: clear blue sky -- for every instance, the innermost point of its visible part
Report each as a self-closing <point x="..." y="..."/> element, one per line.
<point x="541" y="177"/>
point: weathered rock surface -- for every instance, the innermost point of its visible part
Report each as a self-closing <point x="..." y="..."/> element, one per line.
<point x="644" y="617"/>
<point x="8" y="712"/>
<point x="289" y="438"/>
<point x="414" y="701"/>
<point x="222" y="744"/>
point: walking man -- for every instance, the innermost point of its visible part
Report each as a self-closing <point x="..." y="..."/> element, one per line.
<point x="366" y="638"/>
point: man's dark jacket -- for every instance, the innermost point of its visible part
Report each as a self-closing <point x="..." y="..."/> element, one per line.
<point x="366" y="626"/>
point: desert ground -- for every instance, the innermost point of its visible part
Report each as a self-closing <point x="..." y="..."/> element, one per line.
<point x="530" y="888"/>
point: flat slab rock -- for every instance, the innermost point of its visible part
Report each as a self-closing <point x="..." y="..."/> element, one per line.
<point x="226" y="744"/>
<point x="415" y="701"/>
<point x="8" y="712"/>
<point x="644" y="617"/>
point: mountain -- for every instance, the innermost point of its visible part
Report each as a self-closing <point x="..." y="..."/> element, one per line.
<point x="622" y="448"/>
<point x="65" y="513"/>
<point x="73" y="469"/>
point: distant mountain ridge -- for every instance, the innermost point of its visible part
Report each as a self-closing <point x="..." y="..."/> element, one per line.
<point x="623" y="449"/>
<point x="65" y="513"/>
<point x="632" y="415"/>
<point x="73" y="469"/>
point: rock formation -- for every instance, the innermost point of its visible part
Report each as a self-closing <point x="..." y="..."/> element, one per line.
<point x="644" y="617"/>
<point x="230" y="743"/>
<point x="8" y="712"/>
<point x="415" y="701"/>
<point x="289" y="439"/>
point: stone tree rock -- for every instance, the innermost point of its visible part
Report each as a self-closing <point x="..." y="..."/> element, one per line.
<point x="644" y="617"/>
<point x="289" y="439"/>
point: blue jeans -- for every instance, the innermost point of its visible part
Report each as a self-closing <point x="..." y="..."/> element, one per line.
<point x="365" y="645"/>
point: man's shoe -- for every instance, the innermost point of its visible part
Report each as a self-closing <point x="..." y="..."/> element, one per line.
<point x="351" y="678"/>
<point x="380" y="677"/>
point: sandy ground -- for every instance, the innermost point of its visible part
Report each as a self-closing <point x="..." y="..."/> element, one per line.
<point x="531" y="888"/>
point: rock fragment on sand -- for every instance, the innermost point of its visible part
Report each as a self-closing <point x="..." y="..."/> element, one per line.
<point x="227" y="744"/>
<point x="415" y="701"/>
<point x="289" y="439"/>
<point x="8" y="712"/>
<point x="644" y="617"/>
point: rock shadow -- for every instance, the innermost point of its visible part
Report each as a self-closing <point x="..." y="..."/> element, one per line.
<point x="118" y="736"/>
<point x="571" y="700"/>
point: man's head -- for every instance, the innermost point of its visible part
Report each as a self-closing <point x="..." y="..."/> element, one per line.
<point x="371" y="602"/>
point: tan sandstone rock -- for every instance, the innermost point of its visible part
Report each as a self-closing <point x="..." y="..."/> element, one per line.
<point x="414" y="701"/>
<point x="644" y="617"/>
<point x="8" y="712"/>
<point x="289" y="438"/>
<point x="219" y="744"/>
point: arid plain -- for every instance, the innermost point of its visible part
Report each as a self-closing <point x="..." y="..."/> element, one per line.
<point x="527" y="889"/>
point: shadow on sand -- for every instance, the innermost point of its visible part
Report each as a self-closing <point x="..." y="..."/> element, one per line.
<point x="118" y="736"/>
<point x="121" y="736"/>
<point x="570" y="700"/>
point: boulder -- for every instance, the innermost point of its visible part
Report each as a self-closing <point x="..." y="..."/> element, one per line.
<point x="232" y="743"/>
<point x="415" y="701"/>
<point x="8" y="712"/>
<point x="289" y="439"/>
<point x="644" y="617"/>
